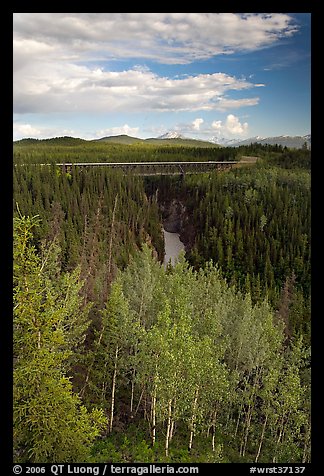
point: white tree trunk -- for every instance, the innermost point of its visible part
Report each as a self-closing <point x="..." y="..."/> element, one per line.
<point x="279" y="438"/>
<point x="261" y="439"/>
<point x="172" y="429"/>
<point x="154" y="416"/>
<point x="214" y="429"/>
<point x="247" y="429"/>
<point x="112" y="408"/>
<point x="193" y="418"/>
<point x="167" y="437"/>
<point x="132" y="395"/>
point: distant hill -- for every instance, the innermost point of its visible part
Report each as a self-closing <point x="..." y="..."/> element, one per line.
<point x="28" y="141"/>
<point x="170" y="138"/>
<point x="182" y="142"/>
<point x="65" y="140"/>
<point x="120" y="139"/>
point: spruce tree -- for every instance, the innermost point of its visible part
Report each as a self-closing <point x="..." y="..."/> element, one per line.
<point x="50" y="423"/>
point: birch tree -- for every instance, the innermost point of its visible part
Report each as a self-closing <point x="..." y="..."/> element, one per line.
<point x="288" y="407"/>
<point x="121" y="332"/>
<point x="142" y="284"/>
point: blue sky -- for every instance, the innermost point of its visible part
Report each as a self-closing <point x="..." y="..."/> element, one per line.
<point x="204" y="75"/>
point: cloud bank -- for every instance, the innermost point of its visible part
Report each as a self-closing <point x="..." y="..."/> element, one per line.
<point x="164" y="37"/>
<point x="55" y="87"/>
<point x="230" y="128"/>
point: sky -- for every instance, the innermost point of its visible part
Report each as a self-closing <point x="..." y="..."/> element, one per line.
<point x="209" y="76"/>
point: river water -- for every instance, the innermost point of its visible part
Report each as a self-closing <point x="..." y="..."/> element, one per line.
<point x="173" y="246"/>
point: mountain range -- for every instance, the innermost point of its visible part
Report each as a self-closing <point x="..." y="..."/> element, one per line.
<point x="172" y="135"/>
<point x="170" y="138"/>
<point x="174" y="138"/>
<point x="296" y="142"/>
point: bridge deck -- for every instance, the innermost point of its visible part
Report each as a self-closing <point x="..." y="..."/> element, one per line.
<point x="145" y="164"/>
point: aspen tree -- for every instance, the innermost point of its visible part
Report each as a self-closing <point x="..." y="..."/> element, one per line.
<point x="268" y="395"/>
<point x="287" y="407"/>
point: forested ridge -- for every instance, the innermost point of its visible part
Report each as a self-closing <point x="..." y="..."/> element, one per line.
<point x="69" y="149"/>
<point x="117" y="359"/>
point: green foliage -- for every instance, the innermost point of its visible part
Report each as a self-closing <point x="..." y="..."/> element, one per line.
<point x="68" y="149"/>
<point x="209" y="361"/>
<point x="50" y="423"/>
<point x="80" y="212"/>
<point x="185" y="365"/>
<point x="252" y="222"/>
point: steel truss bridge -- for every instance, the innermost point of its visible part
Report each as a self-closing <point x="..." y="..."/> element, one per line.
<point x="160" y="168"/>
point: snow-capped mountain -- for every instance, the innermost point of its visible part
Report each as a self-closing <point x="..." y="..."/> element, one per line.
<point x="225" y="142"/>
<point x="171" y="135"/>
<point x="296" y="142"/>
<point x="236" y="142"/>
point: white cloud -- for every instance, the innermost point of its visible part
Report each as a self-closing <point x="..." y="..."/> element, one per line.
<point x="197" y="123"/>
<point x="164" y="37"/>
<point x="45" y="87"/>
<point x="223" y="104"/>
<point x="25" y="130"/>
<point x="217" y="125"/>
<point x="199" y="129"/>
<point x="21" y="131"/>
<point x="232" y="127"/>
<point x="118" y="130"/>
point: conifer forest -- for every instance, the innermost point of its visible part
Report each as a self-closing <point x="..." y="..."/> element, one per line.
<point x="119" y="358"/>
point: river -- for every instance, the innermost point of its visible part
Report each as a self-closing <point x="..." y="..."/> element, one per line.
<point x="173" y="246"/>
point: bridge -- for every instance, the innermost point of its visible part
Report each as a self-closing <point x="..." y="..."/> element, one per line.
<point x="161" y="168"/>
